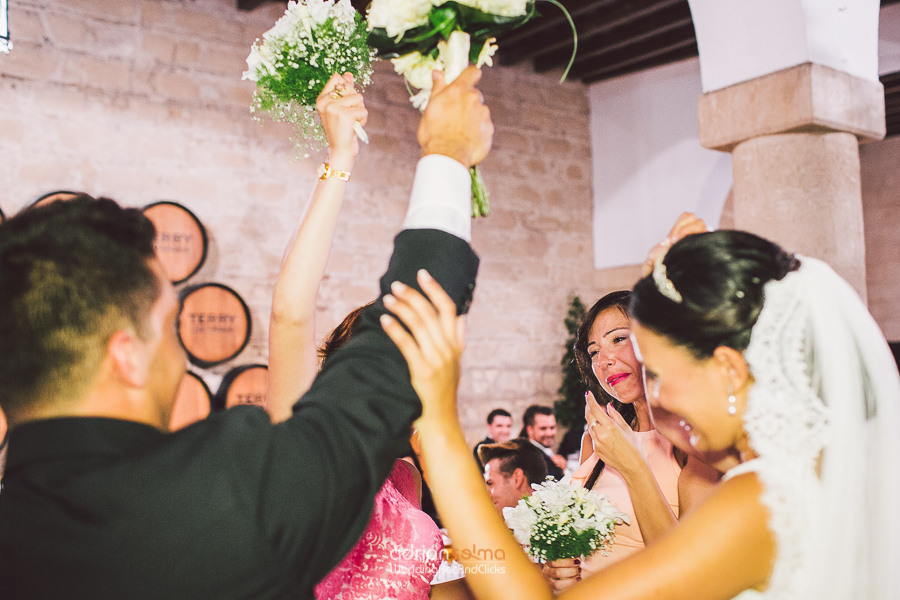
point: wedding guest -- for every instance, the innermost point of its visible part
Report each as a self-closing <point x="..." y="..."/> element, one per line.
<point x="373" y="568"/>
<point x="761" y="353"/>
<point x="499" y="428"/>
<point x="100" y="502"/>
<point x="509" y="470"/>
<point x="632" y="464"/>
<point x="540" y="428"/>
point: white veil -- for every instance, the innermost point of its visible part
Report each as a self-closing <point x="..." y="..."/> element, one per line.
<point x="826" y="386"/>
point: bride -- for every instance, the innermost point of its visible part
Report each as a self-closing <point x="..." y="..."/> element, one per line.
<point x="760" y="353"/>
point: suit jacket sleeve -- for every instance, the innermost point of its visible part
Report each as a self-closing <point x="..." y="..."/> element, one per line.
<point x="329" y="459"/>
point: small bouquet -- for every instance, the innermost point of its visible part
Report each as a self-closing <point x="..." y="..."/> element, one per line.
<point x="560" y="520"/>
<point x="421" y="36"/>
<point x="295" y="59"/>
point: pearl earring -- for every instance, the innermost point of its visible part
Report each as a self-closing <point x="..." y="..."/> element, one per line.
<point x="732" y="401"/>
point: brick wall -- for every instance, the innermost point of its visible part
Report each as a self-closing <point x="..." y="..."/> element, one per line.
<point x="142" y="101"/>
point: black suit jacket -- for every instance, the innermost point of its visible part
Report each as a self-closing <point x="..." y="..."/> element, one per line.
<point x="233" y="506"/>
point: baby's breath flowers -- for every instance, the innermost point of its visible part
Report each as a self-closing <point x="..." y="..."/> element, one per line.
<point x="295" y="59"/>
<point x="560" y="520"/>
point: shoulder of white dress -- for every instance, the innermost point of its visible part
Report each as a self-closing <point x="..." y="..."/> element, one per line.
<point x="750" y="466"/>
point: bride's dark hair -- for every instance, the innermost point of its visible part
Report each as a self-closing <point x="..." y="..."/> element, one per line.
<point x="720" y="276"/>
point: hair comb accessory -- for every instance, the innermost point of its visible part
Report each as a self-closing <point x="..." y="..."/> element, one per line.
<point x="662" y="281"/>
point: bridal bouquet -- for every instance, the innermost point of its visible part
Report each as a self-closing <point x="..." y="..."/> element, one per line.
<point x="421" y="36"/>
<point x="559" y="520"/>
<point x="295" y="59"/>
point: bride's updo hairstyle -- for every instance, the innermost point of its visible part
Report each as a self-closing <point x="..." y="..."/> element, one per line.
<point x="708" y="292"/>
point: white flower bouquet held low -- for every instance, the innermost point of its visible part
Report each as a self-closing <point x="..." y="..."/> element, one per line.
<point x="560" y="520"/>
<point x="295" y="59"/>
<point x="421" y="36"/>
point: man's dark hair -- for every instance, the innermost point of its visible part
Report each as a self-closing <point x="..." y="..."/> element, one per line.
<point x="535" y="409"/>
<point x="518" y="453"/>
<point x="72" y="273"/>
<point x="497" y="412"/>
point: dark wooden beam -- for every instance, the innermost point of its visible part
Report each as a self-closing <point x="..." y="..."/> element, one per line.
<point x="528" y="44"/>
<point x="550" y="17"/>
<point x="252" y="4"/>
<point x="656" y="29"/>
<point x="659" y="57"/>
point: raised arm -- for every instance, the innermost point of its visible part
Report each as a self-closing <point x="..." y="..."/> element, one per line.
<point x="328" y="460"/>
<point x="292" y="337"/>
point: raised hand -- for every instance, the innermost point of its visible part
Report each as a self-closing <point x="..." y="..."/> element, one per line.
<point x="340" y="106"/>
<point x="457" y="123"/>
<point x="613" y="439"/>
<point x="433" y="345"/>
<point x="686" y="224"/>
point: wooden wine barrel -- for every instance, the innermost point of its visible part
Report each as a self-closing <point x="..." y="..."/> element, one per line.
<point x="193" y="402"/>
<point x="54" y="196"/>
<point x="213" y="323"/>
<point x="181" y="242"/>
<point x="243" y="385"/>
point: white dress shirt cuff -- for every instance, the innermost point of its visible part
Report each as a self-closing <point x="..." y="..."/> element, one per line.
<point x="441" y="197"/>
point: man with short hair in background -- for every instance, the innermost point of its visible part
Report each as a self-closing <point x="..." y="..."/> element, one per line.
<point x="540" y="427"/>
<point x="509" y="470"/>
<point x="499" y="427"/>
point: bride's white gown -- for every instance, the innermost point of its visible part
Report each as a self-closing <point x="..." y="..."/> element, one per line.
<point x="824" y="417"/>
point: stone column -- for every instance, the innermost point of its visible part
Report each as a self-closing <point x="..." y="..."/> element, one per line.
<point x="794" y="137"/>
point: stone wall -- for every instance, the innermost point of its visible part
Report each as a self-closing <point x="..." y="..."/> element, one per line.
<point x="142" y="101"/>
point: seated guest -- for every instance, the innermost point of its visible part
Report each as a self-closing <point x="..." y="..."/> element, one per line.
<point x="540" y="428"/>
<point x="499" y="427"/>
<point x="509" y="470"/>
<point x="101" y="502"/>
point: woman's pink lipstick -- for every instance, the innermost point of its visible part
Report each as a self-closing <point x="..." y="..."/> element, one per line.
<point x="614" y="379"/>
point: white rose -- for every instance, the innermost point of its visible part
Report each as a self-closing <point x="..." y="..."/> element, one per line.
<point x="259" y="62"/>
<point x="504" y="8"/>
<point x="318" y="9"/>
<point x="286" y="23"/>
<point x="417" y="69"/>
<point x="398" y="16"/>
<point x="454" y="54"/>
<point x="346" y="8"/>
<point x="521" y="519"/>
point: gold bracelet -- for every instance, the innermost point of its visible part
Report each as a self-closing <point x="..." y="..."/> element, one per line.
<point x="325" y="171"/>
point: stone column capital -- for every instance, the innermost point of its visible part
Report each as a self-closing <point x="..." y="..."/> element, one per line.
<point x="806" y="98"/>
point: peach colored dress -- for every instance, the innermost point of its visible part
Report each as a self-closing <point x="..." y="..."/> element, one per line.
<point x="659" y="453"/>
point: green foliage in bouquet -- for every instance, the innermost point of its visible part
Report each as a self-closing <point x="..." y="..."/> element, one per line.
<point x="295" y="59"/>
<point x="553" y="541"/>
<point x="442" y="21"/>
<point x="303" y="82"/>
<point x="561" y="520"/>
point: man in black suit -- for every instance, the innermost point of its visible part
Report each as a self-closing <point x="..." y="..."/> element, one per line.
<point x="99" y="501"/>
<point x="540" y="428"/>
<point x="499" y="426"/>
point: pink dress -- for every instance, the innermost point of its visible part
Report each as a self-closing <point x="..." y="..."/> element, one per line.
<point x="659" y="454"/>
<point x="399" y="551"/>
